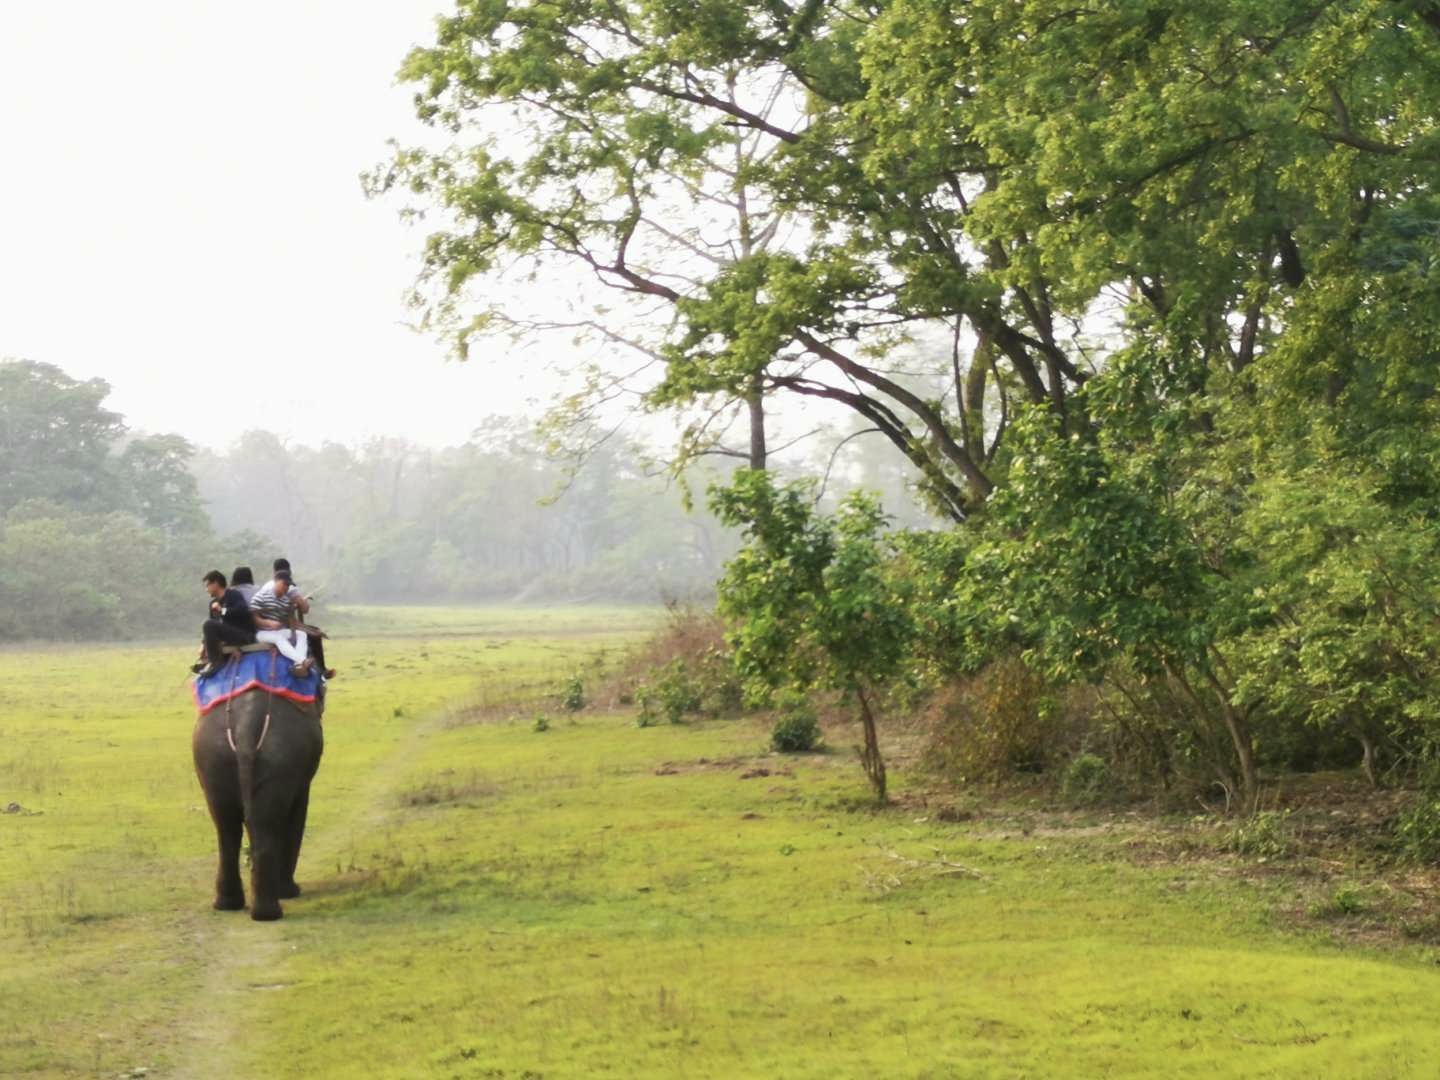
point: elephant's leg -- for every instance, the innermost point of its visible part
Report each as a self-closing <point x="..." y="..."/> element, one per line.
<point x="229" y="818"/>
<point x="229" y="890"/>
<point x="295" y="835"/>
<point x="268" y="849"/>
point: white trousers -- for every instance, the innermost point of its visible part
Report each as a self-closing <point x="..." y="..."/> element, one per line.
<point x="284" y="640"/>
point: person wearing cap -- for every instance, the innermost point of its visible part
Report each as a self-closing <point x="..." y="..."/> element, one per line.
<point x="302" y="602"/>
<point x="274" y="607"/>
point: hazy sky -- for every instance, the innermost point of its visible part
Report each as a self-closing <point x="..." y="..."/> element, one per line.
<point x="180" y="213"/>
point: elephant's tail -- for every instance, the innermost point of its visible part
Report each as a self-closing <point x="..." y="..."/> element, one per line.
<point x="247" y="738"/>
<point x="245" y="754"/>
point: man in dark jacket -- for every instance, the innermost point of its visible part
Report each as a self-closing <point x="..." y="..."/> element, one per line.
<point x="230" y="622"/>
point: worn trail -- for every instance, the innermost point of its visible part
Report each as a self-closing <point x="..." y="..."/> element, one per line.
<point x="240" y="956"/>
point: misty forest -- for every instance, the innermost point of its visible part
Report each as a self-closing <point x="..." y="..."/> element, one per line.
<point x="992" y="516"/>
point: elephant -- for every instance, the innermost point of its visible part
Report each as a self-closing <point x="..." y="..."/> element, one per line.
<point x="260" y="782"/>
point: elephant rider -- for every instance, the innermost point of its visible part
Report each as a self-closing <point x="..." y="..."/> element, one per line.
<point x="274" y="607"/>
<point x="243" y="581"/>
<point x="230" y="622"/>
<point x="317" y="643"/>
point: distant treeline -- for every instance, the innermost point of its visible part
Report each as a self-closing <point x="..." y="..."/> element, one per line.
<point x="493" y="519"/>
<point x="102" y="532"/>
<point x="105" y="533"/>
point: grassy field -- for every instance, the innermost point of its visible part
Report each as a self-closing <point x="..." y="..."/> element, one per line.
<point x="489" y="900"/>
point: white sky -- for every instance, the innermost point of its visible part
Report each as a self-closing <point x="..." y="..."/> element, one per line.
<point x="180" y="209"/>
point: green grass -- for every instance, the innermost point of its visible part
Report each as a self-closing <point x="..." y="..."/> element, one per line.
<point x="486" y="900"/>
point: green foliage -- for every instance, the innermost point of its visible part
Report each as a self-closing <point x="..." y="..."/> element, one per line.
<point x="797" y="727"/>
<point x="66" y="575"/>
<point x="813" y="598"/>
<point x="100" y="536"/>
<point x="1171" y="346"/>
<point x="1129" y="585"/>
<point x="540" y="723"/>
<point x="58" y="439"/>
<point x="1087" y="780"/>
<point x="686" y="664"/>
<point x="59" y="446"/>
<point x="1343" y="615"/>
<point x="1418" y="829"/>
<point x="572" y="693"/>
<point x="498" y="517"/>
<point x="1267" y="834"/>
<point x="992" y="725"/>
<point x="672" y="693"/>
<point x="1343" y="902"/>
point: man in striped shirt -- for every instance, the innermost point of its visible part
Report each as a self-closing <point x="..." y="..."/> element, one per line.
<point x="274" y="608"/>
<point x="317" y="641"/>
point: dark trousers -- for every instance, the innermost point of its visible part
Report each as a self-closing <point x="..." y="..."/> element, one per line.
<point x="219" y="632"/>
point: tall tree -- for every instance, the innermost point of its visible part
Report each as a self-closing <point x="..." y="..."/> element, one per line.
<point x="164" y="490"/>
<point x="56" y="438"/>
<point x="634" y="111"/>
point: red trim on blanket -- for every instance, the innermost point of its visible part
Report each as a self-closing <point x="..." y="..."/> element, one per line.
<point x="253" y="684"/>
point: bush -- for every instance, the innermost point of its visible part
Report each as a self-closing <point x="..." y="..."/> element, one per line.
<point x="572" y="694"/>
<point x="672" y="693"/>
<point x="1087" y="779"/>
<point x="1346" y="900"/>
<point x="1418" y="829"/>
<point x="541" y="723"/>
<point x="997" y="723"/>
<point x="1266" y="835"/>
<point x="796" y="730"/>
<point x="695" y="641"/>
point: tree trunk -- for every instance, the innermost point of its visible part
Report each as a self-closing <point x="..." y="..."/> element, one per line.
<point x="870" y="758"/>
<point x="1239" y="728"/>
<point x="1367" y="744"/>
<point x="755" y="402"/>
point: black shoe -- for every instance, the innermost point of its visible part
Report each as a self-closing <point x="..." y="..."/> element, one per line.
<point x="209" y="670"/>
<point x="198" y="666"/>
<point x="301" y="670"/>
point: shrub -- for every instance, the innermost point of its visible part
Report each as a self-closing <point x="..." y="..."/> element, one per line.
<point x="796" y="730"/>
<point x="994" y="724"/>
<point x="1266" y="835"/>
<point x="672" y="692"/>
<point x="1418" y="829"/>
<point x="1345" y="900"/>
<point x="1087" y="779"/>
<point x="816" y="599"/>
<point x="541" y="723"/>
<point x="572" y="693"/>
<point x="695" y="641"/>
<point x="721" y="691"/>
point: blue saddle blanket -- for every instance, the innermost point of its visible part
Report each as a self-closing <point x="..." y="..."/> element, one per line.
<point x="243" y="672"/>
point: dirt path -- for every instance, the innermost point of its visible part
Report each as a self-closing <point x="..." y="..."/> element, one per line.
<point x="241" y="955"/>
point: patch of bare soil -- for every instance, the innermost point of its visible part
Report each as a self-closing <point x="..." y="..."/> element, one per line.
<point x="752" y="770"/>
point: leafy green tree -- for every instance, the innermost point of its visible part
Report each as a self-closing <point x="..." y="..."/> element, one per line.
<point x="635" y="111"/>
<point x="811" y="599"/>
<point x="1249" y="188"/>
<point x="102" y="535"/>
<point x="1346" y="612"/>
<point x="56" y="438"/>
<point x="164" y="491"/>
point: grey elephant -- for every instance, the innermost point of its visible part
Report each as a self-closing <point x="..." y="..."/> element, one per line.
<point x="255" y="756"/>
